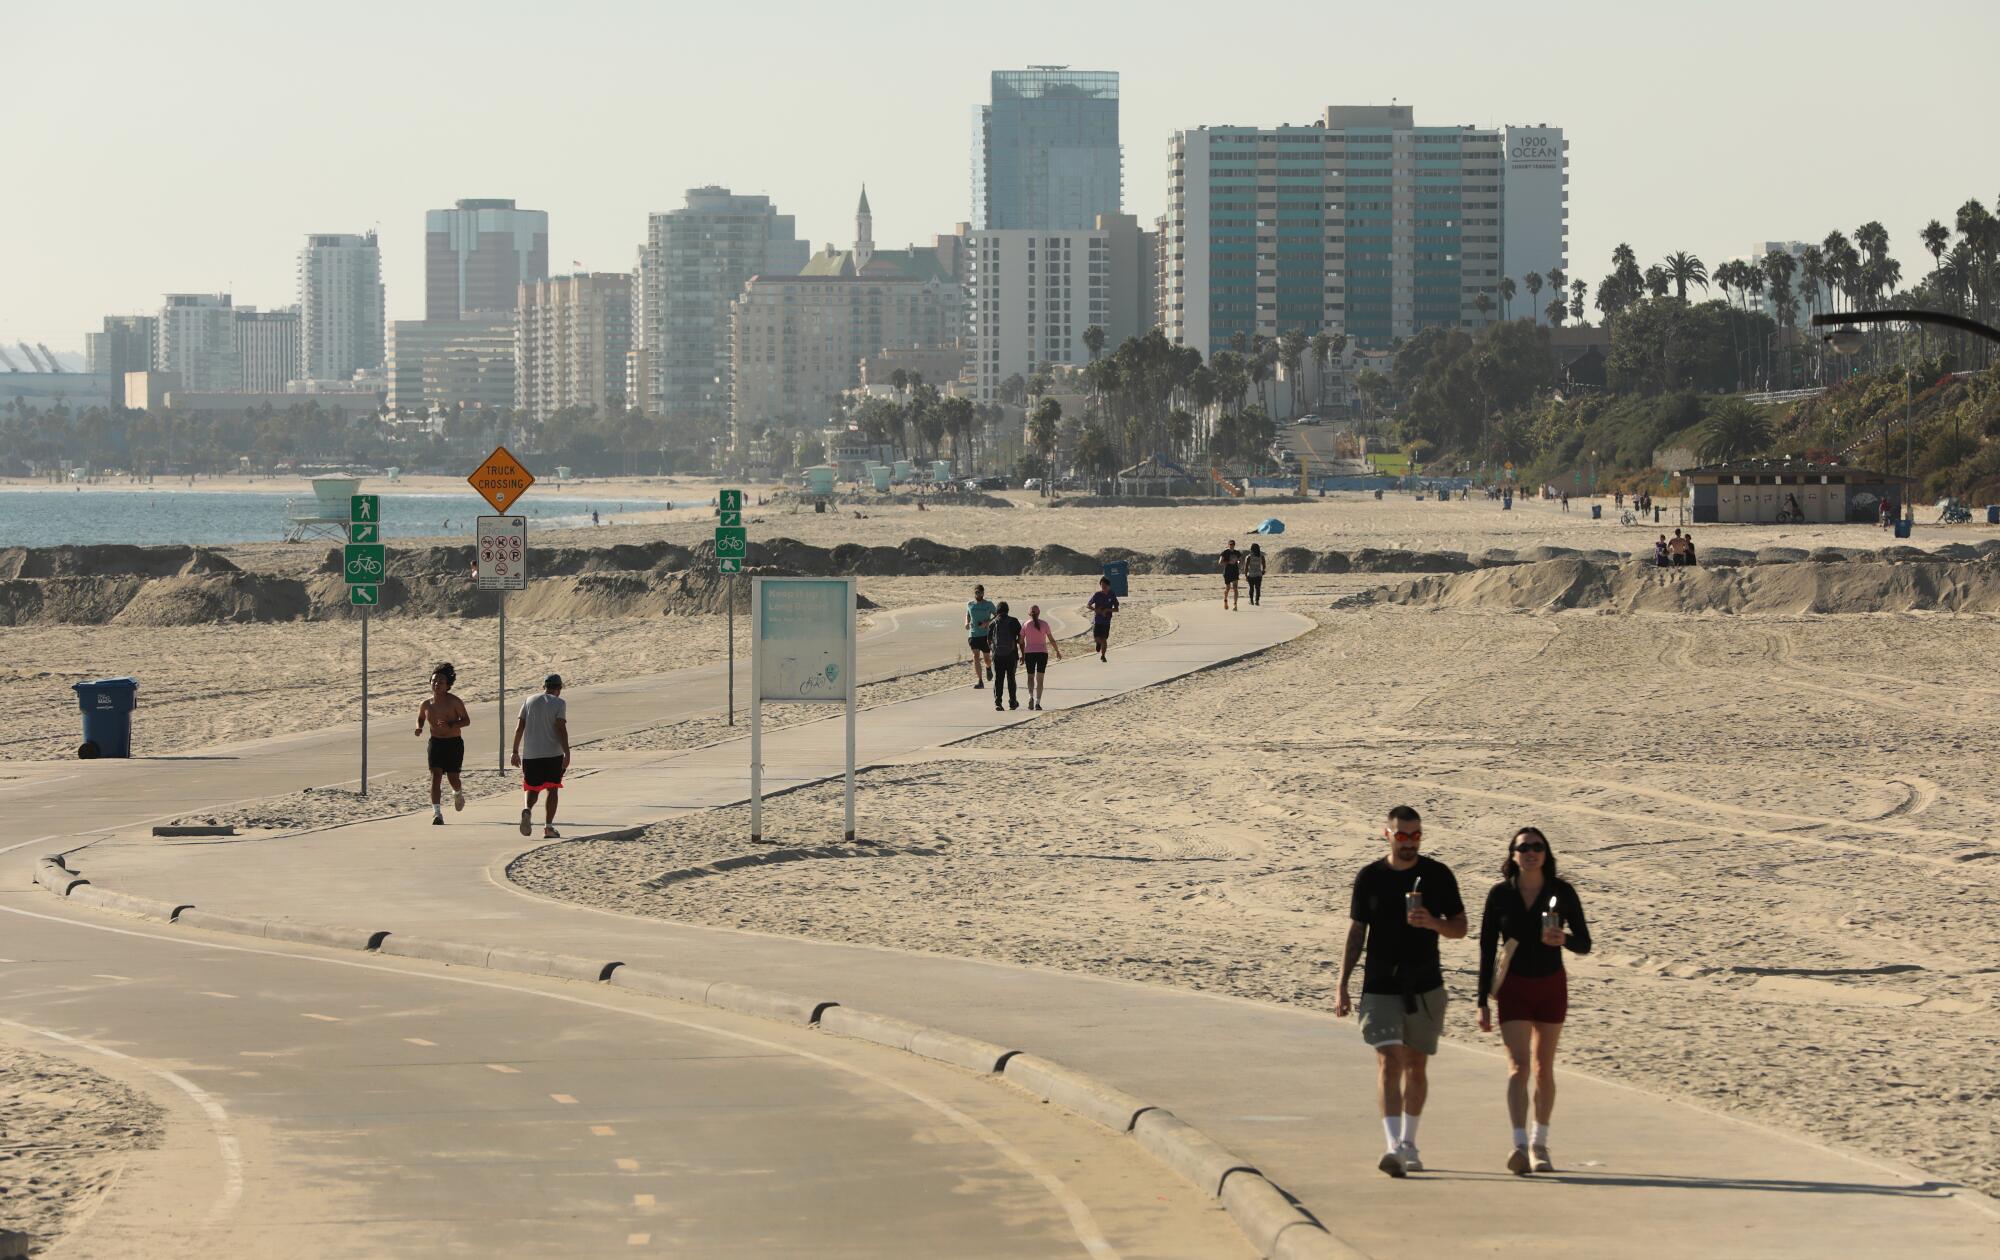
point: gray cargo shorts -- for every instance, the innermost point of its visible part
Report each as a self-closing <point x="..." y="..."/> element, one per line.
<point x="1384" y="1022"/>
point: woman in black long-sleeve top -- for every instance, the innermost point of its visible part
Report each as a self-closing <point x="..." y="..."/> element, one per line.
<point x="1538" y="916"/>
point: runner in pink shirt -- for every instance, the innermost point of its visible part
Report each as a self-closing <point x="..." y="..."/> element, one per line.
<point x="1038" y="639"/>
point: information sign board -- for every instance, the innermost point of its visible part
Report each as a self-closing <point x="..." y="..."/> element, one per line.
<point x="503" y="553"/>
<point x="800" y="642"/>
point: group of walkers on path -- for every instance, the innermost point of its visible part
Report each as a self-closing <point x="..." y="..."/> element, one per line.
<point x="541" y="746"/>
<point x="1002" y="644"/>
<point x="1403" y="904"/>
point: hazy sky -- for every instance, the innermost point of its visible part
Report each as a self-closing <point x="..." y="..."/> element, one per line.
<point x="191" y="146"/>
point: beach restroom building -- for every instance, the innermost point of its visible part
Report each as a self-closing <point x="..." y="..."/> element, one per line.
<point x="1755" y="492"/>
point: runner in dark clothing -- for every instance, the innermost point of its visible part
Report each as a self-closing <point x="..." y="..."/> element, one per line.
<point x="1006" y="640"/>
<point x="1402" y="905"/>
<point x="1102" y="605"/>
<point x="1231" y="564"/>
<point x="1531" y="917"/>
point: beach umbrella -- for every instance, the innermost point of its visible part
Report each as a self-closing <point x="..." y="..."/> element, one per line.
<point x="1271" y="525"/>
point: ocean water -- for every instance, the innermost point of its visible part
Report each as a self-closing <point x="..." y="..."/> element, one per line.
<point x="39" y="518"/>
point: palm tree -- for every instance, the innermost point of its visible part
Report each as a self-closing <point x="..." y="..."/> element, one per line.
<point x="1557" y="281"/>
<point x="1812" y="272"/>
<point x="1734" y="430"/>
<point x="1506" y="297"/>
<point x="1044" y="425"/>
<point x="1292" y="355"/>
<point x="1484" y="305"/>
<point x="1093" y="341"/>
<point x="1533" y="282"/>
<point x="1577" y="290"/>
<point x="1658" y="281"/>
<point x="1833" y="249"/>
<point x="1557" y="309"/>
<point x="1685" y="269"/>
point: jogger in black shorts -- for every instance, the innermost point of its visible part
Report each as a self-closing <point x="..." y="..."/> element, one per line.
<point x="1253" y="574"/>
<point x="1006" y="639"/>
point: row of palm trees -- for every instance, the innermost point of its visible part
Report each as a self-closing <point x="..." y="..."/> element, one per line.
<point x="1564" y="304"/>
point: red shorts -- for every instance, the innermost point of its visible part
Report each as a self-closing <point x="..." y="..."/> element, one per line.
<point x="1543" y="999"/>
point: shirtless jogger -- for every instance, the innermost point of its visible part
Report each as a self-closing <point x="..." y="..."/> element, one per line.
<point x="445" y="715"/>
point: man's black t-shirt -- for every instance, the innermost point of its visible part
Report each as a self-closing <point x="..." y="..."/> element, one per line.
<point x="1006" y="634"/>
<point x="1401" y="958"/>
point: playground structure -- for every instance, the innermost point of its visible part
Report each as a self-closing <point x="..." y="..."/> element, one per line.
<point x="1235" y="491"/>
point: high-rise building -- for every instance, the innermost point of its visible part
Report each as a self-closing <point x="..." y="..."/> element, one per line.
<point x="572" y="336"/>
<point x="478" y="254"/>
<point x="1363" y="222"/>
<point x="1045" y="152"/>
<point x="1032" y="295"/>
<point x="195" y="339"/>
<point x="267" y="345"/>
<point x="125" y="345"/>
<point x="341" y="309"/>
<point x="693" y="268"/>
<point x="441" y="362"/>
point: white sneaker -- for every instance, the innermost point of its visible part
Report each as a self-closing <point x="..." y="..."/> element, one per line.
<point x="1412" y="1162"/>
<point x="1517" y="1163"/>
<point x="1542" y="1161"/>
<point x="1392" y="1163"/>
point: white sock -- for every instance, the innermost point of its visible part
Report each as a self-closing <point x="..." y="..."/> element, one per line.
<point x="1392" y="1129"/>
<point x="1541" y="1137"/>
<point x="1520" y="1136"/>
<point x="437" y="807"/>
<point x="1410" y="1128"/>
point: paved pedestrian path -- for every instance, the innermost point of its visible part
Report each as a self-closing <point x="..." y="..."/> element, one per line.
<point x="1290" y="1089"/>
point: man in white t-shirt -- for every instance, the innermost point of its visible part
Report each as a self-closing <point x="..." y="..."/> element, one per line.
<point x="541" y="749"/>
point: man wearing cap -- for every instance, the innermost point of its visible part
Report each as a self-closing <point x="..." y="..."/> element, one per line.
<point x="541" y="749"/>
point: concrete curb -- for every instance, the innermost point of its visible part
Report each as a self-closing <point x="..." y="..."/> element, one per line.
<point x="1273" y="1224"/>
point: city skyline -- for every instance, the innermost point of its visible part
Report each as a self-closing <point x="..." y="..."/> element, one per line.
<point x="1659" y="157"/>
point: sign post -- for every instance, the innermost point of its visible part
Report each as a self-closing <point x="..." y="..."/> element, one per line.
<point x="801" y="651"/>
<point x="503" y="567"/>
<point x="729" y="555"/>
<point x="501" y="480"/>
<point x="364" y="562"/>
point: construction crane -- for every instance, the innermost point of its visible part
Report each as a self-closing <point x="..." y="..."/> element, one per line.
<point x="53" y="365"/>
<point x="11" y="366"/>
<point x="34" y="364"/>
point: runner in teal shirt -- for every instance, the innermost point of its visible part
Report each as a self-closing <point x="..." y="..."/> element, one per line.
<point x="979" y="614"/>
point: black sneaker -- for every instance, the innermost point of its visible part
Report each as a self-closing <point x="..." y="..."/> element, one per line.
<point x="980" y="685"/>
<point x="1013" y="704"/>
<point x="437" y="820"/>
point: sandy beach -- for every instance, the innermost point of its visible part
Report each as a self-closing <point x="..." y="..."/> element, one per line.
<point x="69" y="1131"/>
<point x="1779" y="826"/>
<point x="1778" y="822"/>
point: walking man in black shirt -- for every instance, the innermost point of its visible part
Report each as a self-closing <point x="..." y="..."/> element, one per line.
<point x="1005" y="638"/>
<point x="1402" y="904"/>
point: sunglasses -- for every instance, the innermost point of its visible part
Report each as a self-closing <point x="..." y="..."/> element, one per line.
<point x="1533" y="846"/>
<point x="1418" y="834"/>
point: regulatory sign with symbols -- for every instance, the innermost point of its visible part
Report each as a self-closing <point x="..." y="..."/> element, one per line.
<point x="730" y="544"/>
<point x="366" y="595"/>
<point x="503" y="553"/>
<point x="501" y="479"/>
<point x="365" y="563"/>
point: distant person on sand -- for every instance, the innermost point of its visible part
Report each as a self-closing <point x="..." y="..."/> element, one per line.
<point x="1531" y="917"/>
<point x="1006" y="644"/>
<point x="1231" y="564"/>
<point x="979" y="614"/>
<point x="1661" y="555"/>
<point x="1253" y="573"/>
<point x="1102" y="605"/>
<point x="541" y="749"/>
<point x="445" y="715"/>
<point x="1038" y="639"/>
<point x="1402" y="904"/>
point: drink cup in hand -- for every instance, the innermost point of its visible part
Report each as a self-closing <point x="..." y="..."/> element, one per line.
<point x="1552" y="926"/>
<point x="1413" y="904"/>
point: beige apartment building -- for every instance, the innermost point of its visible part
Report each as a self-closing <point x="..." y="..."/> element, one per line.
<point x="571" y="341"/>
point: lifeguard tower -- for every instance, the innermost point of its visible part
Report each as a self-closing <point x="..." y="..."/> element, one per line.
<point x="325" y="514"/>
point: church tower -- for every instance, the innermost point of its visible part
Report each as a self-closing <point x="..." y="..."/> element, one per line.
<point x="864" y="233"/>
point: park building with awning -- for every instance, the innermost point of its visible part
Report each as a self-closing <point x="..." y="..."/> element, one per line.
<point x="1757" y="492"/>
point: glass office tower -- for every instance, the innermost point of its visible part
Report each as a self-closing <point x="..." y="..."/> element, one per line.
<point x="1045" y="153"/>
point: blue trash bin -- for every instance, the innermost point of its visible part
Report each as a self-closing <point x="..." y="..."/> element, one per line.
<point x="107" y="706"/>
<point x="1902" y="528"/>
<point x="1116" y="571"/>
<point x="1597" y="511"/>
<point x="1993" y="514"/>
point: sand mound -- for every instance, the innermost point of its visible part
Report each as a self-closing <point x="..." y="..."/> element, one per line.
<point x="107" y="560"/>
<point x="1787" y="588"/>
<point x="196" y="600"/>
